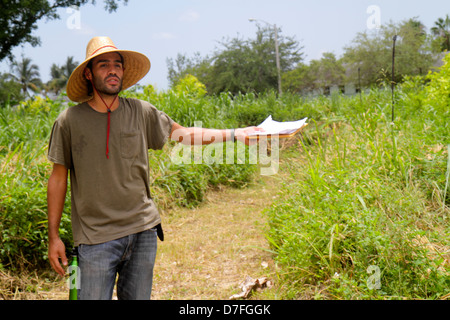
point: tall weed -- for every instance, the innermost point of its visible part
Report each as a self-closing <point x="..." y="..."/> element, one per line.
<point x="24" y="168"/>
<point x="367" y="196"/>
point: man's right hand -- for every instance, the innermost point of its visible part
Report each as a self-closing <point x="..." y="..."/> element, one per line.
<point x="56" y="251"/>
<point x="56" y="194"/>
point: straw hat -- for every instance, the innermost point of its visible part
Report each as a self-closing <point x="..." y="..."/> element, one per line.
<point x="136" y="67"/>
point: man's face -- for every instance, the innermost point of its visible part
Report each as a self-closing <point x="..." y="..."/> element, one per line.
<point x="107" y="73"/>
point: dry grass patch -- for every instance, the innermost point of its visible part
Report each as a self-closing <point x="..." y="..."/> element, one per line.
<point x="210" y="250"/>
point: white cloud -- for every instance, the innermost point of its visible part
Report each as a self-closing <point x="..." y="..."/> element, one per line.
<point x="190" y="16"/>
<point x="85" y="29"/>
<point x="163" y="36"/>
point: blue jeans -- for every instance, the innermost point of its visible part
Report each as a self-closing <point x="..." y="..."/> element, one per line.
<point x="131" y="257"/>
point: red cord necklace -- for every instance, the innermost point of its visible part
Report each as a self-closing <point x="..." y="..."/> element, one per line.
<point x="109" y="118"/>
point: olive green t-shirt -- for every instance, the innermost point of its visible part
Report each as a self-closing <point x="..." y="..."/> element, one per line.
<point x="110" y="196"/>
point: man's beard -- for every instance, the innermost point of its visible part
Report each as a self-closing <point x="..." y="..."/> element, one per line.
<point x="102" y="87"/>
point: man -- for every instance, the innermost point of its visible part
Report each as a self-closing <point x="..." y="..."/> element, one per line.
<point x="103" y="143"/>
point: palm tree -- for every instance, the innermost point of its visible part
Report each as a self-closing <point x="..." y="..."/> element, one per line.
<point x="442" y="30"/>
<point x="69" y="66"/>
<point x="60" y="75"/>
<point x="57" y="82"/>
<point x="27" y="74"/>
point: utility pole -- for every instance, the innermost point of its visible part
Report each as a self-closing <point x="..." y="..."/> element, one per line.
<point x="393" y="75"/>
<point x="280" y="91"/>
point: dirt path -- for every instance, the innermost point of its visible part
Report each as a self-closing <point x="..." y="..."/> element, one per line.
<point x="209" y="251"/>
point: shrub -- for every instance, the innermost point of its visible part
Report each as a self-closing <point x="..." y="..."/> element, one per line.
<point x="367" y="196"/>
<point x="24" y="169"/>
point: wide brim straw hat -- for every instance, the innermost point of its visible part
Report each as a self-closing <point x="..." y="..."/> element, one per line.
<point x="136" y="66"/>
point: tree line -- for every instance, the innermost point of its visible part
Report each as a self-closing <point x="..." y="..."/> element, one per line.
<point x="18" y="20"/>
<point x="248" y="65"/>
<point x="24" y="80"/>
<point x="241" y="65"/>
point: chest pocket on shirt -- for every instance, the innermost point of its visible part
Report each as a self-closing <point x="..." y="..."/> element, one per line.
<point x="129" y="144"/>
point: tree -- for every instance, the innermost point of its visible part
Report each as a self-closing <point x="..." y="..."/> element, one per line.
<point x="250" y="65"/>
<point x="183" y="66"/>
<point x="18" y="20"/>
<point x="27" y="75"/>
<point x="299" y="80"/>
<point x="240" y="65"/>
<point x="10" y="90"/>
<point x="441" y="31"/>
<point x="60" y="75"/>
<point x="372" y="53"/>
<point x="237" y="69"/>
<point x="58" y="81"/>
<point x="327" y="72"/>
<point x="319" y="74"/>
<point x="414" y="54"/>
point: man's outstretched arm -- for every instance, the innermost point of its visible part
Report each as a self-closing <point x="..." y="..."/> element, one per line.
<point x="204" y="136"/>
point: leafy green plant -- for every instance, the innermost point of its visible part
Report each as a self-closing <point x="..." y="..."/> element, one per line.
<point x="367" y="196"/>
<point x="24" y="168"/>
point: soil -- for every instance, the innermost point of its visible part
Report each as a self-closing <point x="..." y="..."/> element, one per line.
<point x="208" y="252"/>
<point x="211" y="250"/>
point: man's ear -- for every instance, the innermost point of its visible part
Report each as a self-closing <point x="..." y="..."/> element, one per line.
<point x="88" y="74"/>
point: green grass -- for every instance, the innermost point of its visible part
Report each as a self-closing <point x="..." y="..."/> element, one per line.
<point x="368" y="198"/>
<point x="24" y="168"/>
<point x="368" y="195"/>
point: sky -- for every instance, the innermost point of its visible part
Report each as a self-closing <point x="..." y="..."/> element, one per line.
<point x="163" y="29"/>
